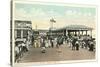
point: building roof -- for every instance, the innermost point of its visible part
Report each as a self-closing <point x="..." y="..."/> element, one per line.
<point x="40" y="30"/>
<point x="23" y="21"/>
<point x="23" y="24"/>
<point x="76" y="27"/>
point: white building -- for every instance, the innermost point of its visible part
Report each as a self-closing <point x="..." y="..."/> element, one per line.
<point x="23" y="30"/>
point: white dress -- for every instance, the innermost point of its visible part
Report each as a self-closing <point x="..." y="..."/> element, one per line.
<point x="46" y="43"/>
<point x="16" y="50"/>
<point x="49" y="43"/>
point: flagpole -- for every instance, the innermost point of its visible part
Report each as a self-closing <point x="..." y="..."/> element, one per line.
<point x="51" y="25"/>
<point x="52" y="21"/>
<point x="51" y="28"/>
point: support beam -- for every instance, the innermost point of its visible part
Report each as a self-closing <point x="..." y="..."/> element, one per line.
<point x="22" y="34"/>
<point x="82" y="32"/>
<point x="91" y="33"/>
<point x="79" y="32"/>
<point x="86" y="32"/>
<point x="75" y="33"/>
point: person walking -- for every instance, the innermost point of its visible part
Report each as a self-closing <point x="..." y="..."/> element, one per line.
<point x="49" y="43"/>
<point x="91" y="47"/>
<point x="46" y="43"/>
<point x="73" y="43"/>
<point x="52" y="45"/>
<point x="59" y="44"/>
<point x="77" y="45"/>
<point x="43" y="49"/>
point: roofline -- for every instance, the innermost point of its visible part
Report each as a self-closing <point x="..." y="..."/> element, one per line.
<point x="67" y="28"/>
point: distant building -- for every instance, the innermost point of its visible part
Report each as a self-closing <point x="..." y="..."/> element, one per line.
<point x="23" y="30"/>
<point x="71" y="29"/>
<point x="66" y="31"/>
<point x="39" y="32"/>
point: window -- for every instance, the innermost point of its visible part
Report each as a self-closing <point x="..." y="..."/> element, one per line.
<point x="18" y="33"/>
<point x="25" y="33"/>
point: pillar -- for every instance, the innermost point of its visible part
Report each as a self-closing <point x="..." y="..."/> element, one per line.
<point x="82" y="32"/>
<point x="79" y="32"/>
<point x="86" y="32"/>
<point x="75" y="33"/>
<point x="66" y="33"/>
<point x="91" y="33"/>
<point x="22" y="34"/>
<point x="15" y="34"/>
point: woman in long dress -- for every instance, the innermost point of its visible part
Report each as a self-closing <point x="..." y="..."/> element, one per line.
<point x="43" y="49"/>
<point x="49" y="43"/>
<point x="46" y="43"/>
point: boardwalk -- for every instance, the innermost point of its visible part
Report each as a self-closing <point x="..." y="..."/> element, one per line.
<point x="34" y="55"/>
<point x="52" y="54"/>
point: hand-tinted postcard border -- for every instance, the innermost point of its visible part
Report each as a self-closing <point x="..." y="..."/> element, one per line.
<point x="47" y="3"/>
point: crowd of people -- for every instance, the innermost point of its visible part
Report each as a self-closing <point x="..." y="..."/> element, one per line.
<point x="75" y="42"/>
<point x="83" y="41"/>
<point x="21" y="47"/>
<point x="45" y="42"/>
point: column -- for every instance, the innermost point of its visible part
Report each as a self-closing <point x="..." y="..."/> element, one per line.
<point x="82" y="32"/>
<point x="22" y="34"/>
<point x="15" y="34"/>
<point x="75" y="33"/>
<point x="79" y="32"/>
<point x="91" y="33"/>
<point x="86" y="32"/>
<point x="66" y="33"/>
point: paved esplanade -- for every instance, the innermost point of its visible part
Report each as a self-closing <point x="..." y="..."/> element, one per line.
<point x="35" y="55"/>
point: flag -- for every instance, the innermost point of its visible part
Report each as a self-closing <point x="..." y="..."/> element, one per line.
<point x="52" y="20"/>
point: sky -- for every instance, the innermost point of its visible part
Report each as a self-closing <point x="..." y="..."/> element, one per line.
<point x="40" y="15"/>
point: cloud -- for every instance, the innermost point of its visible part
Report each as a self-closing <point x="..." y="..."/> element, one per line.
<point x="22" y="14"/>
<point x="32" y="14"/>
<point x="38" y="13"/>
<point x="42" y="17"/>
<point x="89" y="14"/>
<point x="73" y="13"/>
<point x="69" y="12"/>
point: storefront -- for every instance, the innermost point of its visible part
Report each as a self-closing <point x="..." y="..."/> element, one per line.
<point x="23" y="30"/>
